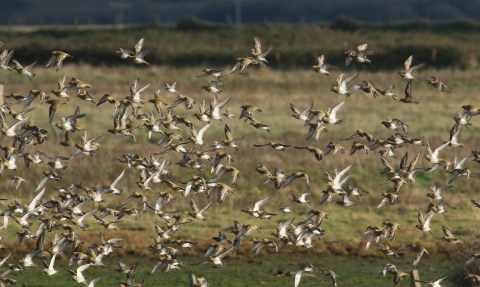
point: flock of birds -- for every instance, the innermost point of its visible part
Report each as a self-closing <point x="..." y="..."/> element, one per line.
<point x="74" y="206"/>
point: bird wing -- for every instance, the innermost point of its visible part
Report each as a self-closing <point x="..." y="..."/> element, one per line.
<point x="86" y="214"/>
<point x="338" y="177"/>
<point x="349" y="79"/>
<point x="414" y="162"/>
<point x="362" y="47"/>
<point x="387" y="165"/>
<point x="339" y="79"/>
<point x="139" y="92"/>
<point x="114" y="184"/>
<point x="307" y="110"/>
<point x="348" y="60"/>
<point x="311" y="131"/>
<point x="408" y="63"/>
<point x="52" y="262"/>
<point x="257" y="46"/>
<point x="134" y="85"/>
<point x="216" y="110"/>
<point x="282" y="228"/>
<point x="214" y="84"/>
<point x="94" y="281"/>
<point x="440" y="280"/>
<point x="470" y="261"/>
<point x="4" y="260"/>
<point x="462" y="162"/>
<point x="439" y="149"/>
<point x="228" y="133"/>
<point x="82" y="268"/>
<point x="265" y="53"/>
<point x="429" y="219"/>
<point x="205" y="208"/>
<point x="138" y="46"/>
<point x="447" y="231"/>
<point x="192" y="279"/>
<point x="225" y="253"/>
<point x="29" y="67"/>
<point x="454" y="132"/>
<point x="430" y="207"/>
<point x="146" y="52"/>
<point x="75" y="154"/>
<point x="31" y="212"/>
<point x="35" y="200"/>
<point x="58" y="159"/>
<point x="408" y="90"/>
<point x="414" y="68"/>
<point x="421" y="218"/>
<point x="103" y="99"/>
<point x="390" y="89"/>
<point x="236" y="67"/>
<point x="383" y="202"/>
<point x="174" y="104"/>
<point x="333" y="113"/>
<point x="293" y="108"/>
<point x="260" y="203"/>
<point x="439" y="190"/>
<point x="321" y="60"/>
<point x="6" y="58"/>
<point x="298" y="276"/>
<point x="290" y="179"/>
<point x="202" y="131"/>
<point x="193" y="205"/>
<point x="52" y="61"/>
<point x="13" y="127"/>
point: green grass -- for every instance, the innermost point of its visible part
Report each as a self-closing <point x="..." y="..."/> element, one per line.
<point x="272" y="270"/>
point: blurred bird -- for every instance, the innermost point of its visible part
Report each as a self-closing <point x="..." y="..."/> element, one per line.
<point x="25" y="71"/>
<point x="57" y="59"/>
<point x="315" y="151"/>
<point x="158" y="101"/>
<point x="424" y="223"/>
<point x="341" y="87"/>
<point x="416" y="248"/>
<point x="433" y="283"/>
<point x="274" y="145"/>
<point x="307" y="267"/>
<point x="437" y="84"/>
<point x="408" y="94"/>
<point x="388" y="92"/>
<point x="124" y="53"/>
<point x="242" y="64"/>
<point x="137" y="55"/>
<point x="212" y="72"/>
<point x="322" y="67"/>
<point x="213" y="87"/>
<point x="5" y="58"/>
<point x="171" y="88"/>
<point x="408" y="71"/>
<point x="257" y="53"/>
<point x="295" y="176"/>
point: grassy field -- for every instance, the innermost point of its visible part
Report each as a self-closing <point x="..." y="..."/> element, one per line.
<point x="272" y="270"/>
<point x="272" y="91"/>
<point x="340" y="249"/>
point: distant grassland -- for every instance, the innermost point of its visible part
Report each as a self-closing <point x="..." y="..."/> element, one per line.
<point x="196" y="43"/>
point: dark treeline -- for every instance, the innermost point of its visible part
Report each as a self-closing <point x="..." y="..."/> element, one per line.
<point x="67" y="12"/>
<point x="197" y="43"/>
